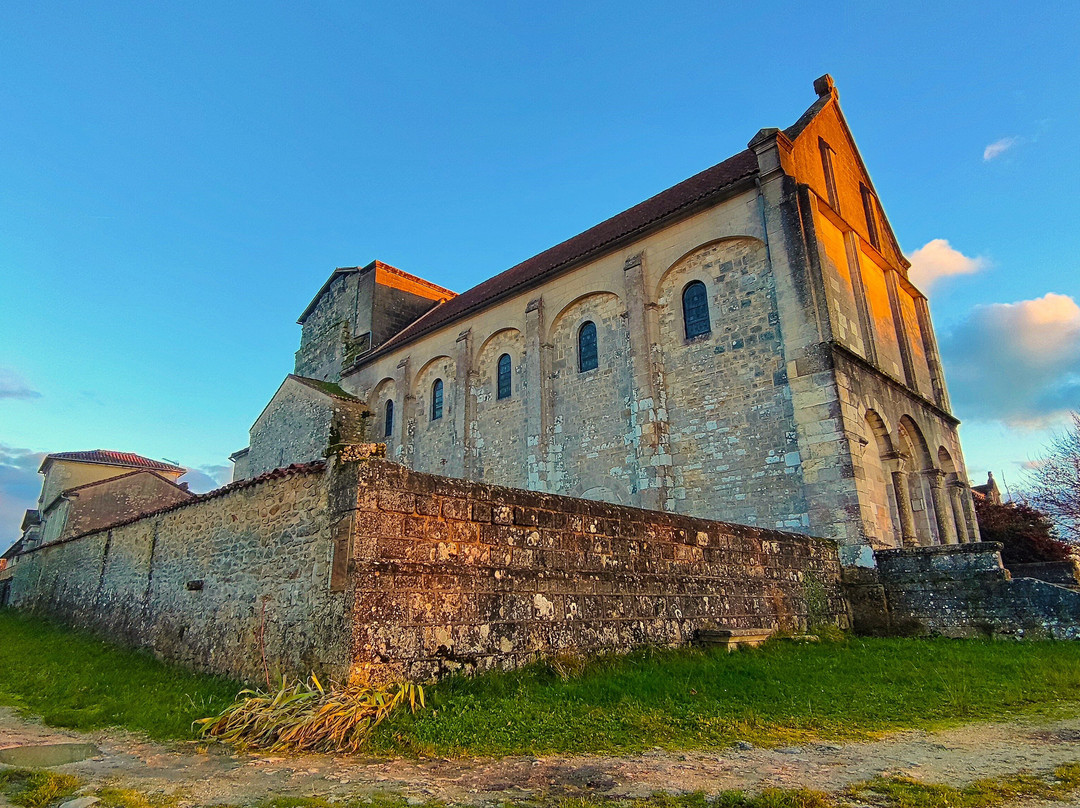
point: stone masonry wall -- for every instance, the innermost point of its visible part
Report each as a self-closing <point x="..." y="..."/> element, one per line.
<point x="958" y="590"/>
<point x="213" y="585"/>
<point x="329" y="565"/>
<point x="451" y="574"/>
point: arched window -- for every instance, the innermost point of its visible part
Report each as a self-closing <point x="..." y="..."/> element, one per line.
<point x="586" y="345"/>
<point x="504" y="376"/>
<point x="695" y="308"/>
<point x="436" y="400"/>
<point x="388" y="419"/>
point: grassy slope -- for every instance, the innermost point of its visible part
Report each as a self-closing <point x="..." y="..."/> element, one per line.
<point x="781" y="693"/>
<point x="78" y="681"/>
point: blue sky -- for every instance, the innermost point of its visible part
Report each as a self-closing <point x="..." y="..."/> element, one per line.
<point x="177" y="182"/>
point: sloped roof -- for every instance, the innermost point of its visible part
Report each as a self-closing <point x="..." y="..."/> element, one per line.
<point x="329" y="388"/>
<point x="78" y="488"/>
<point x="109" y="458"/>
<point x="699" y="188"/>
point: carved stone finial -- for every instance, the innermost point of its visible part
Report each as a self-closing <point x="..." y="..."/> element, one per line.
<point x="825" y="86"/>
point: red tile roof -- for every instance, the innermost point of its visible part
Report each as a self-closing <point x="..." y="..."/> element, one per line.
<point x="109" y="458"/>
<point x="313" y="467"/>
<point x="699" y="188"/>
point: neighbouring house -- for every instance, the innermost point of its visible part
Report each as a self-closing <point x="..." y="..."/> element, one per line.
<point x="85" y="491"/>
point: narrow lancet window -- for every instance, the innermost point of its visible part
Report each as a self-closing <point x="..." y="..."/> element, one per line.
<point x="388" y="420"/>
<point x="830" y="174"/>
<point x="587" y="355"/>
<point x="436" y="400"/>
<point x="870" y="211"/>
<point x="695" y="306"/>
<point x="504" y="383"/>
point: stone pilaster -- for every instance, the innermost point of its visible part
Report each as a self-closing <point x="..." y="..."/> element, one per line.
<point x="465" y="412"/>
<point x="851" y="245"/>
<point x="933" y="356"/>
<point x="648" y="417"/>
<point x="405" y="404"/>
<point x="903" y="335"/>
<point x="538" y="374"/>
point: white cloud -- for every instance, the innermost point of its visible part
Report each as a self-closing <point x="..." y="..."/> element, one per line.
<point x="1018" y="363"/>
<point x="206" y="478"/>
<point x="19" y="489"/>
<point x="999" y="147"/>
<point x="12" y="385"/>
<point x="937" y="259"/>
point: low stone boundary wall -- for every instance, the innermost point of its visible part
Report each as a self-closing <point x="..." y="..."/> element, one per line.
<point x="233" y="583"/>
<point x="325" y="566"/>
<point x="957" y="591"/>
<point x="451" y="574"/>
<point x="1062" y="573"/>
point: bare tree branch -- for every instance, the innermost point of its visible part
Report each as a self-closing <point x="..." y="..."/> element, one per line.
<point x="1055" y="481"/>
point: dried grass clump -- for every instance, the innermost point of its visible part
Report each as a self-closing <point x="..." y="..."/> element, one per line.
<point x="306" y="717"/>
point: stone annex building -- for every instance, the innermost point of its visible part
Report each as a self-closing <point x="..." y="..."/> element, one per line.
<point x="744" y="346"/>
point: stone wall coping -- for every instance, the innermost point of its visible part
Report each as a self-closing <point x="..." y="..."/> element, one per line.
<point x="375" y="471"/>
<point x="973" y="548"/>
<point x="277" y="474"/>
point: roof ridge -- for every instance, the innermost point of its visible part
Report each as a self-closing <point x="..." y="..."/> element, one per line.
<point x="669" y="202"/>
<point x="111" y="457"/>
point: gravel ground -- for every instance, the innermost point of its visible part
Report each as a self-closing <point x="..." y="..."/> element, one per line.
<point x="956" y="756"/>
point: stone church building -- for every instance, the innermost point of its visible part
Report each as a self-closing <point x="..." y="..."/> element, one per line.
<point x="745" y="346"/>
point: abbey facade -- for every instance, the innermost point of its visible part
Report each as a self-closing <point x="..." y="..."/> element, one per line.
<point x="744" y="346"/>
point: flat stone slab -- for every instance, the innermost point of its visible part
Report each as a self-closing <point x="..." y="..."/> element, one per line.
<point x="46" y="755"/>
<point x="732" y="638"/>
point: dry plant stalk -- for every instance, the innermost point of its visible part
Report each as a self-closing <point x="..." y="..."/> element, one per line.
<point x="306" y="717"/>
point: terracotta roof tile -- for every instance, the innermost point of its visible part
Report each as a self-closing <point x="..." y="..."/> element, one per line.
<point x="109" y="458"/>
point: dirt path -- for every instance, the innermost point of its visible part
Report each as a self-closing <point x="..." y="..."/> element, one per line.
<point x="953" y="756"/>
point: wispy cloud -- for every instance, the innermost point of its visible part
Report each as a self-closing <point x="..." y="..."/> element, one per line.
<point x="937" y="259"/>
<point x="12" y="385"/>
<point x="999" y="147"/>
<point x="1017" y="363"/>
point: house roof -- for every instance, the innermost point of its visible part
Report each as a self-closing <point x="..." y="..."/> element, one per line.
<point x="76" y="490"/>
<point x="106" y="457"/>
<point x="711" y="182"/>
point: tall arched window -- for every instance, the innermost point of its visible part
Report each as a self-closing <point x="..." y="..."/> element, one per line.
<point x="504" y="382"/>
<point x="695" y="307"/>
<point x="388" y="419"/>
<point x="436" y="400"/>
<point x="586" y="344"/>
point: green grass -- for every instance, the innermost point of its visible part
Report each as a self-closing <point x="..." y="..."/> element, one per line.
<point x="905" y="792"/>
<point x="779" y="694"/>
<point x="75" y="680"/>
<point x="782" y="693"/>
<point x="34" y="788"/>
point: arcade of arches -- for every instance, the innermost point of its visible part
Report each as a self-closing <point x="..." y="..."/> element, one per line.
<point x="913" y="496"/>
